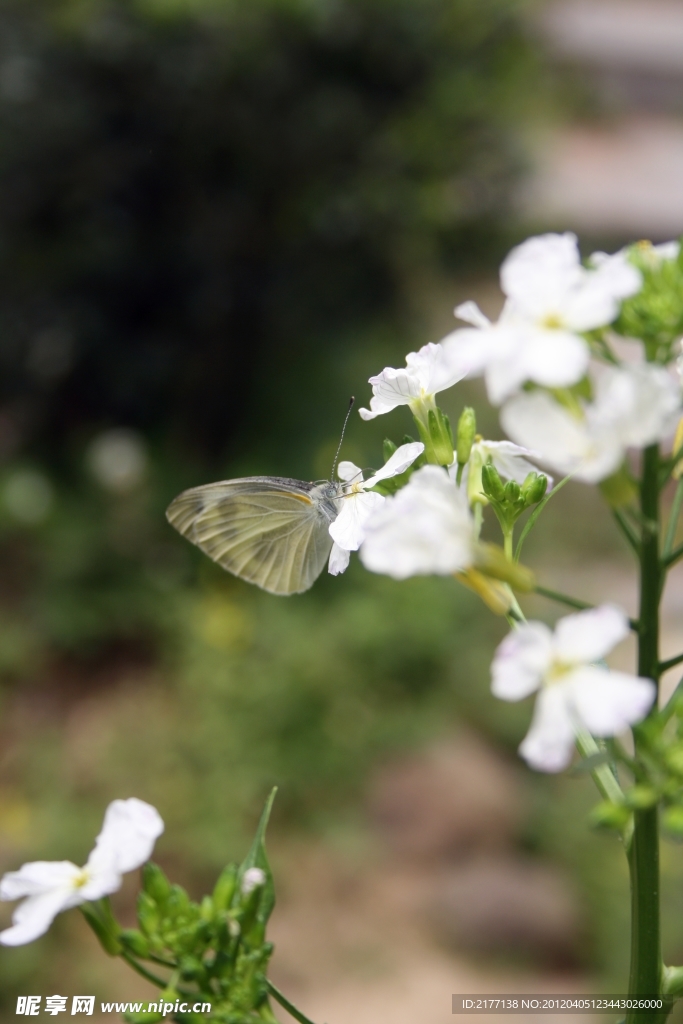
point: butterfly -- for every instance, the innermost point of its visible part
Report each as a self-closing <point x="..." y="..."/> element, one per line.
<point x="267" y="530"/>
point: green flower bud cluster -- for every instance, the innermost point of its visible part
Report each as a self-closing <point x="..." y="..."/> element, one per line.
<point x="437" y="437"/>
<point x="509" y="500"/>
<point x="655" y="314"/>
<point x="212" y="952"/>
<point x="216" y="947"/>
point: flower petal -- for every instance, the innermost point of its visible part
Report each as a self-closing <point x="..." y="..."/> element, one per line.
<point x="609" y="702"/>
<point x="339" y="560"/>
<point x="130" y="829"/>
<point x="590" y="635"/>
<point x="470" y="313"/>
<point x="391" y="388"/>
<point x="38" y="877"/>
<point x="33" y="917"/>
<point x="435" y="368"/>
<point x="348" y="529"/>
<point x="549" y="743"/>
<point x="520" y="661"/>
<point x="553" y="358"/>
<point x="397" y="463"/>
<point x="538" y="274"/>
<point x="347" y="471"/>
<point x="425" y="528"/>
<point x="536" y="421"/>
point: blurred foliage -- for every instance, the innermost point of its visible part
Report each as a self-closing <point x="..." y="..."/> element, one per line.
<point x="200" y="201"/>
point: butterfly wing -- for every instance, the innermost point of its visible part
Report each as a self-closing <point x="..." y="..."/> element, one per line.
<point x="271" y="531"/>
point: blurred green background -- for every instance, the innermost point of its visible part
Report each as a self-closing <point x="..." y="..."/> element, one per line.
<point x="217" y="219"/>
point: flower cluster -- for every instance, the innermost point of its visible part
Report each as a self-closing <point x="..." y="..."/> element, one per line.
<point x="576" y="394"/>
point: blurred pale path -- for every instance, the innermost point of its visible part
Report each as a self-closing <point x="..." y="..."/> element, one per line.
<point x="621" y="173"/>
<point x="358" y="954"/>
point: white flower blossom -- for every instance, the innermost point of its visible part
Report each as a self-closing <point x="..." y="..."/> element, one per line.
<point x="426" y="528"/>
<point x="572" y="691"/>
<point x="48" y="887"/>
<point x="510" y="460"/>
<point x="634" y="406"/>
<point x="427" y="372"/>
<point x="359" y="502"/>
<point x="550" y="300"/>
<point x="252" y="879"/>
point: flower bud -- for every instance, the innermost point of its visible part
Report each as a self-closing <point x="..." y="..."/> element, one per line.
<point x="252" y="879"/>
<point x="495" y="595"/>
<point x="534" y="488"/>
<point x="134" y="941"/>
<point x="491" y="483"/>
<point x="672" y="820"/>
<point x="618" y="489"/>
<point x="512" y="491"/>
<point x="491" y="559"/>
<point x="388" y="448"/>
<point x="467" y="428"/>
<point x="609" y="815"/>
<point x="640" y="798"/>
<point x="438" y="438"/>
<point x="155" y="883"/>
<point x="148" y="914"/>
<point x="225" y="887"/>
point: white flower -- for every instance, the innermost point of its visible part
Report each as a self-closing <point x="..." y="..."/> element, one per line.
<point x="359" y="502"/>
<point x="426" y="528"/>
<point x="634" y="406"/>
<point x="252" y="879"/>
<point x="510" y="460"/>
<point x="551" y="299"/>
<point x="47" y="887"/>
<point x="572" y="691"/>
<point x="427" y="372"/>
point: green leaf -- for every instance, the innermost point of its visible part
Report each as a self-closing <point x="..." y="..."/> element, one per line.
<point x="256" y="858"/>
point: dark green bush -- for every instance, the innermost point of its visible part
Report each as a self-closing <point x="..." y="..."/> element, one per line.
<point x="201" y="201"/>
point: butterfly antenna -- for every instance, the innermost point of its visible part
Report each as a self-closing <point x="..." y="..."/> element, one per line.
<point x="341" y="439"/>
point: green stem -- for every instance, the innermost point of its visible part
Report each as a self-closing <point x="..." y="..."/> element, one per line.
<point x="643" y="856"/>
<point x="664" y="666"/>
<point x="574" y="602"/>
<point x="672" y="557"/>
<point x="142" y="971"/>
<point x="627" y="530"/>
<point x="285" y="1003"/>
<point x="673" y="521"/>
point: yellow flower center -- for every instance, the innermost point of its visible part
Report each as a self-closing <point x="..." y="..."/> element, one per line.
<point x="552" y="322"/>
<point x="557" y="672"/>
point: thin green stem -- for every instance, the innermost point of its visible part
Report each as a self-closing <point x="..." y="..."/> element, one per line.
<point x="627" y="531"/>
<point x="643" y="856"/>
<point x="603" y="776"/>
<point x="673" y="521"/>
<point x="142" y="971"/>
<point x="672" y="557"/>
<point x="574" y="602"/>
<point x="285" y="1003"/>
<point x="664" y="666"/>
